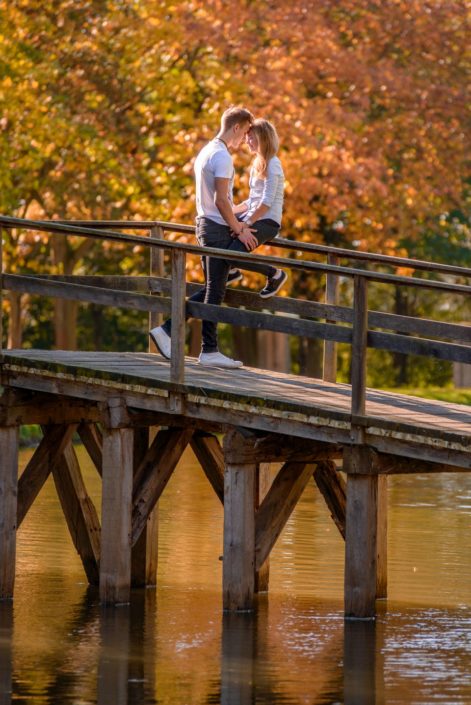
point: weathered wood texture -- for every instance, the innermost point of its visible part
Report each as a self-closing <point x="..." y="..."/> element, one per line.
<point x="238" y="569"/>
<point x="333" y="489"/>
<point x="282" y="324"/>
<point x="382" y="539"/>
<point x="144" y="555"/>
<point x="8" y="508"/>
<point x="277" y="507"/>
<point x="361" y="546"/>
<point x="79" y="511"/>
<point x="211" y="458"/>
<point x="115" y="564"/>
<point x="48" y="452"/>
<point x="262" y="487"/>
<point x="92" y="438"/>
<point x="404" y="426"/>
<point x="154" y="472"/>
<point x="177" y="362"/>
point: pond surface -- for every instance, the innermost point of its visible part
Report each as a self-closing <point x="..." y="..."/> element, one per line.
<point x="173" y="645"/>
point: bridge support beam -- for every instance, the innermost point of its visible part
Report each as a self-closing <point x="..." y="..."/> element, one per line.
<point x="115" y="562"/>
<point x="238" y="574"/>
<point x="8" y="508"/>
<point x="361" y="558"/>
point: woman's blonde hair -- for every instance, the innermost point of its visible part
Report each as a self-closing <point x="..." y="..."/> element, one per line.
<point x="268" y="144"/>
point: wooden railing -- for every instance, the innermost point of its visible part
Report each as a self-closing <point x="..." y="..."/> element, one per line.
<point x="343" y="324"/>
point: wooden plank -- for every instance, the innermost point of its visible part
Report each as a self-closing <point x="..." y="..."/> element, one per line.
<point x="48" y="452"/>
<point x="92" y="439"/>
<point x="210" y="455"/>
<point x="154" y="473"/>
<point x="115" y="564"/>
<point x="280" y="324"/>
<point x="90" y="294"/>
<point x="8" y="508"/>
<point x="238" y="569"/>
<point x="361" y="545"/>
<point x="177" y="363"/>
<point x="420" y="346"/>
<point x="79" y="511"/>
<point x="277" y="507"/>
<point x="333" y="489"/>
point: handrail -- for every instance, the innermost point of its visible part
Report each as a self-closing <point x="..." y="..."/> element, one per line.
<point x="50" y="226"/>
<point x="357" y="335"/>
<point x="286" y="243"/>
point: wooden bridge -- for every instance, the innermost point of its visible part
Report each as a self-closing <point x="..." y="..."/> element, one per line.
<point x="136" y="413"/>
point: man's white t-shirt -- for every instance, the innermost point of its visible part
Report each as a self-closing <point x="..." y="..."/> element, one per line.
<point x="214" y="161"/>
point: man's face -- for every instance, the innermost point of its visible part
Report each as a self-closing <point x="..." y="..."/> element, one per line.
<point x="240" y="131"/>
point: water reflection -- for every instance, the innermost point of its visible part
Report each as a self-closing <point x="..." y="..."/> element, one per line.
<point x="6" y="632"/>
<point x="173" y="645"/>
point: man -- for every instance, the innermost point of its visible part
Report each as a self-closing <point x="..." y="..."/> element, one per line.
<point x="216" y="226"/>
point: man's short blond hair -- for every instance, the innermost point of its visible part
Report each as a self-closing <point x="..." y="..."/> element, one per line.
<point x="235" y="116"/>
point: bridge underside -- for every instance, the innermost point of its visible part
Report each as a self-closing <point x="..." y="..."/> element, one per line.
<point x="135" y="424"/>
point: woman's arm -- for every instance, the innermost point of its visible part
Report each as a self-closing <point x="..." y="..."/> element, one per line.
<point x="241" y="208"/>
<point x="258" y="213"/>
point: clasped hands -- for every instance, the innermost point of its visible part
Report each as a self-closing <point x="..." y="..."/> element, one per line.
<point x="247" y="237"/>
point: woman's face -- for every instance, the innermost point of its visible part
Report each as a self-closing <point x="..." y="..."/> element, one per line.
<point x="252" y="141"/>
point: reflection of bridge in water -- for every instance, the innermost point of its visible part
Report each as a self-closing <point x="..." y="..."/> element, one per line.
<point x="136" y="414"/>
<point x="250" y="657"/>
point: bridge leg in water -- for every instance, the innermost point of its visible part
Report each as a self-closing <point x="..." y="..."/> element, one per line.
<point x="115" y="563"/>
<point x="361" y="558"/>
<point x="8" y="508"/>
<point x="238" y="575"/>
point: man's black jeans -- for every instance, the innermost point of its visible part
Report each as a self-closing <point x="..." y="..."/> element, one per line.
<point x="212" y="234"/>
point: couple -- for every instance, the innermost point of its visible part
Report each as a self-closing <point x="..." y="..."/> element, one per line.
<point x="239" y="228"/>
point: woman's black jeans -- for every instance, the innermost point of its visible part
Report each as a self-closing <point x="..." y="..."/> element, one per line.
<point x="212" y="234"/>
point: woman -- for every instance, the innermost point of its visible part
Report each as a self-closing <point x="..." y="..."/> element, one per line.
<point x="263" y="208"/>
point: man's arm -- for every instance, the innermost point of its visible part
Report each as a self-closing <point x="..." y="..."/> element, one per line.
<point x="223" y="204"/>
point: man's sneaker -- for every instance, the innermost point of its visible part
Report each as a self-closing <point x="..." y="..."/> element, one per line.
<point x="273" y="284"/>
<point x="235" y="275"/>
<point x="217" y="359"/>
<point x="162" y="341"/>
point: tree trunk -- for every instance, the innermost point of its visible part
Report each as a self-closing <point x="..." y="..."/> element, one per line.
<point x="15" y="327"/>
<point x="273" y="351"/>
<point x="310" y="357"/>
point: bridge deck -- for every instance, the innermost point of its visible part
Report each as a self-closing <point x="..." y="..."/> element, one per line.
<point x="257" y="399"/>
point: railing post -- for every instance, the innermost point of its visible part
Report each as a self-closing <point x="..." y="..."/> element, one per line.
<point x="361" y="558"/>
<point x="329" y="368"/>
<point x="177" y="363"/>
<point x="359" y="348"/>
<point x="157" y="269"/>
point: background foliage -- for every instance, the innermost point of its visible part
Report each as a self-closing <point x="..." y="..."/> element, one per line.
<point x="106" y="103"/>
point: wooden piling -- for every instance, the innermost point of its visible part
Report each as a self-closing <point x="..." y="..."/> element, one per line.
<point x="238" y="575"/>
<point x="360" y="537"/>
<point x="115" y="565"/>
<point x="8" y="508"/>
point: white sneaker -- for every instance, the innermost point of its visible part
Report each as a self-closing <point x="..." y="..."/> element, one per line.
<point x="162" y="341"/>
<point x="217" y="359"/>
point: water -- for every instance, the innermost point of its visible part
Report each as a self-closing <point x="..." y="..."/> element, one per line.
<point x="174" y="646"/>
